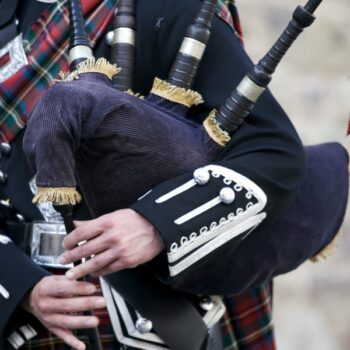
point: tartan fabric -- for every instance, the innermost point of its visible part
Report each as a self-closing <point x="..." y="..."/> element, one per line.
<point x="46" y="45"/>
<point x="227" y="11"/>
<point x="247" y="322"/>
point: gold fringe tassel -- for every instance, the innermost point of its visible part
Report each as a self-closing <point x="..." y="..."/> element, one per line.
<point x="176" y="94"/>
<point x="329" y="249"/>
<point x="214" y="130"/>
<point x="135" y="94"/>
<point x="57" y="195"/>
<point x="91" y="65"/>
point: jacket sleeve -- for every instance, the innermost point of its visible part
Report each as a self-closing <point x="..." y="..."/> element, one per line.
<point x="17" y="276"/>
<point x="254" y="179"/>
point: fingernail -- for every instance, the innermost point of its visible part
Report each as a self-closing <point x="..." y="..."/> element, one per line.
<point x="62" y="260"/>
<point x="70" y="274"/>
<point x="91" y="322"/>
<point x="80" y="346"/>
<point x="101" y="302"/>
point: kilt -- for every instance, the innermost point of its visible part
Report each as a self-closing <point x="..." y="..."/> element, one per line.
<point x="246" y="325"/>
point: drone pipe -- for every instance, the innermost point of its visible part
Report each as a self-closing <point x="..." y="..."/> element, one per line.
<point x="79" y="46"/>
<point x="239" y="104"/>
<point x="123" y="46"/>
<point x="193" y="46"/>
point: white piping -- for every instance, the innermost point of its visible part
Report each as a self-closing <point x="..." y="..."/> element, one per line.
<point x="4" y="292"/>
<point x="115" y="320"/>
<point x="177" y="191"/>
<point x="195" y="212"/>
<point x="215" y="243"/>
<point x="206" y="235"/>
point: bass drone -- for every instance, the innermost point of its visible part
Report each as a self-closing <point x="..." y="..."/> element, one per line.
<point x="121" y="146"/>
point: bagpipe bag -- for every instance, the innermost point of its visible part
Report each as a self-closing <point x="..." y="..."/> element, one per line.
<point x="120" y="147"/>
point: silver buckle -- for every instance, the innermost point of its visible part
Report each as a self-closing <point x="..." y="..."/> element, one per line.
<point x="46" y="244"/>
<point x="18" y="58"/>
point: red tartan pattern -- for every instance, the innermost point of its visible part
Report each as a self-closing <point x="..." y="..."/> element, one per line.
<point x="46" y="45"/>
<point x="247" y="322"/>
<point x="227" y="11"/>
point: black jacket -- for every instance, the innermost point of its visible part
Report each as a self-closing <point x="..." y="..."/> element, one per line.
<point x="266" y="149"/>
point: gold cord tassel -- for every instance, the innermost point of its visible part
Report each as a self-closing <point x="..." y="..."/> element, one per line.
<point x="214" y="130"/>
<point x="176" y="94"/>
<point x="91" y="65"/>
<point x="57" y="195"/>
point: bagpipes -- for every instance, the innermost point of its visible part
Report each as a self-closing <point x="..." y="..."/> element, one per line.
<point x="120" y="146"/>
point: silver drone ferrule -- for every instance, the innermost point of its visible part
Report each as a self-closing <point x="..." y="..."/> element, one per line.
<point x="80" y="52"/>
<point x="124" y="35"/>
<point x="250" y="90"/>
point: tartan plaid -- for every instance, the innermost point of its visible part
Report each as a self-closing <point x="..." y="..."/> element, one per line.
<point x="247" y="323"/>
<point x="227" y="11"/>
<point x="46" y="45"/>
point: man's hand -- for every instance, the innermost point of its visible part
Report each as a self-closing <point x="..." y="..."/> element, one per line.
<point x="119" y="240"/>
<point x="53" y="300"/>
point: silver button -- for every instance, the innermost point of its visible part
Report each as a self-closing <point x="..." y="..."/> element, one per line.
<point x="227" y="195"/>
<point x="109" y="37"/>
<point x="3" y="177"/>
<point x="5" y="148"/>
<point x="143" y="325"/>
<point x="201" y="176"/>
<point x="206" y="304"/>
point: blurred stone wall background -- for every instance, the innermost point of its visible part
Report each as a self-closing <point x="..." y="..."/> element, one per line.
<point x="312" y="304"/>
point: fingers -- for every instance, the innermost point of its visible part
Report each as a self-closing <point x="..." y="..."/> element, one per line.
<point x="70" y="321"/>
<point x="68" y="337"/>
<point x="113" y="267"/>
<point x="96" y="263"/>
<point x="86" y="230"/>
<point x="69" y="305"/>
<point x="60" y="286"/>
<point x="92" y="247"/>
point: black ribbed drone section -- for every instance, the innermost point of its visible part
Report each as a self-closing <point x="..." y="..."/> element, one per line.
<point x="79" y="46"/>
<point x="123" y="46"/>
<point x="190" y="54"/>
<point x="239" y="104"/>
